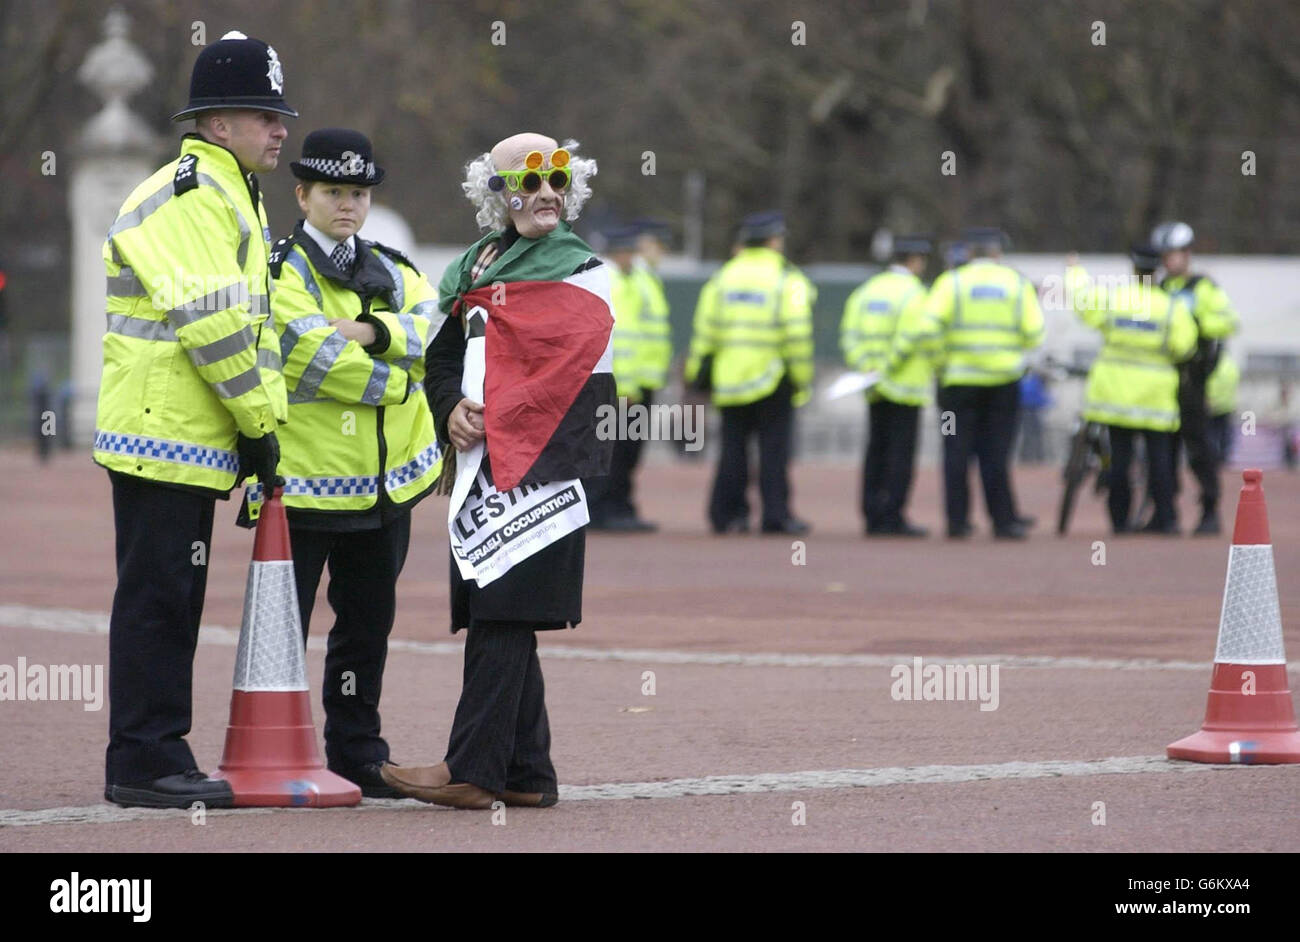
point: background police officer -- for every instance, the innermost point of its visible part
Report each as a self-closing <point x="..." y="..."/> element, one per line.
<point x="1215" y="321"/>
<point x="989" y="317"/>
<point x="752" y="346"/>
<point x="354" y="319"/>
<point x="890" y="302"/>
<point x="1133" y="384"/>
<point x="637" y="374"/>
<point x="190" y="400"/>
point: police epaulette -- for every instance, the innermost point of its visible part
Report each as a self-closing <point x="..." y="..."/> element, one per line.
<point x="187" y="175"/>
<point x="395" y="255"/>
<point x="279" y="252"/>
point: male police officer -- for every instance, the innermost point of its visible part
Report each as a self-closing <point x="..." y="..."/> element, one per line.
<point x="189" y="403"/>
<point x="887" y="303"/>
<point x="989" y="318"/>
<point x="753" y="348"/>
<point x="354" y="319"/>
<point x="636" y="375"/>
<point x="1133" y="383"/>
<point x="1215" y="321"/>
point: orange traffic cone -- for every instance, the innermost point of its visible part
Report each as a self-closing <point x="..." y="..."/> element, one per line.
<point x="1249" y="716"/>
<point x="271" y="758"/>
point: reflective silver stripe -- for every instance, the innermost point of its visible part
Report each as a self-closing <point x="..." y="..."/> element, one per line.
<point x="745" y="323"/>
<point x="1134" y="412"/>
<point x="984" y="348"/>
<point x="238" y="385"/>
<point x="141" y="329"/>
<point x="855" y="338"/>
<point x="294" y="330"/>
<point x="378" y="382"/>
<point x="961" y="369"/>
<point x="320" y="364"/>
<point x="269" y="360"/>
<point x="299" y="264"/>
<point x="759" y="344"/>
<point x="259" y="304"/>
<point x="211" y="303"/>
<point x="1004" y="328"/>
<point x="399" y="286"/>
<point x="143" y="210"/>
<point x="768" y="376"/>
<point x="125" y="285"/>
<point x="1136" y="364"/>
<point x="298" y="399"/>
<point x="413" y="345"/>
<point x="242" y="254"/>
<point x="217" y="350"/>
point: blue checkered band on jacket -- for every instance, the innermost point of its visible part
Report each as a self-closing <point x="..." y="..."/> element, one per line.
<point x="405" y="474"/>
<point x="160" y="449"/>
<point x="360" y="486"/>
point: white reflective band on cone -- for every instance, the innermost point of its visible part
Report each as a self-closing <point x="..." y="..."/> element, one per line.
<point x="271" y="654"/>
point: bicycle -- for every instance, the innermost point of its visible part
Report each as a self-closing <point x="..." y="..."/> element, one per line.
<point x="1089" y="454"/>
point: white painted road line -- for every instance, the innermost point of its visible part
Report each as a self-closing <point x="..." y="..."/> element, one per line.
<point x="765" y="782"/>
<point x="80" y="622"/>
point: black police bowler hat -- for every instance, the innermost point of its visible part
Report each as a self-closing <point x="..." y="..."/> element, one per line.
<point x="986" y="235"/>
<point x="1145" y="256"/>
<point x="236" y="72"/>
<point x="913" y="245"/>
<point x="622" y="238"/>
<point x="337" y="155"/>
<point x="762" y="226"/>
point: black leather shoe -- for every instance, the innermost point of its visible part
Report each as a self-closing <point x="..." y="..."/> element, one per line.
<point x="628" y="525"/>
<point x="735" y="525"/>
<point x="172" y="791"/>
<point x="902" y="529"/>
<point x="960" y="532"/>
<point x="1013" y="531"/>
<point x="368" y="777"/>
<point x="1209" y="525"/>
<point x="1027" y="521"/>
<point x="1161" y="529"/>
<point x="790" y="525"/>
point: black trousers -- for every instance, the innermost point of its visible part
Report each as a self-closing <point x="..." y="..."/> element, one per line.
<point x="984" y="426"/>
<point x="1160" y="476"/>
<point x="611" y="496"/>
<point x="890" y="460"/>
<point x="1221" y="435"/>
<point x="1202" y="456"/>
<point x="772" y="420"/>
<point x="501" y="737"/>
<point x="154" y="627"/>
<point x="364" y="566"/>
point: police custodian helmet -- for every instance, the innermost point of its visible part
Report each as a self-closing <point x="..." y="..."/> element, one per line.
<point x="236" y="72"/>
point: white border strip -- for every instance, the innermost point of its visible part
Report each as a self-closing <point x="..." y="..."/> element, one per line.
<point x="762" y="783"/>
<point x="82" y="622"/>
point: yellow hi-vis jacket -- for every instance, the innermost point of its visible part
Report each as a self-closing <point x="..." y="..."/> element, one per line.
<point x="1208" y="303"/>
<point x="190" y="356"/>
<point x="989" y="318"/>
<point x="875" y="312"/>
<point x="1133" y="383"/>
<point x="755" y="321"/>
<point x="360" y="424"/>
<point x="1221" y="387"/>
<point x="656" y="343"/>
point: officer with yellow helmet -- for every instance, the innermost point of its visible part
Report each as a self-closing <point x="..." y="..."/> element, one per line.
<point x="1133" y="384"/>
<point x="1215" y="322"/>
<point x="888" y="303"/>
<point x="752" y="347"/>
<point x="354" y="319"/>
<point x="189" y="403"/>
<point x="988" y="317"/>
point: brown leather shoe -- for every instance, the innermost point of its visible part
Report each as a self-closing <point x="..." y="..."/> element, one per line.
<point x="433" y="784"/>
<point x="529" y="799"/>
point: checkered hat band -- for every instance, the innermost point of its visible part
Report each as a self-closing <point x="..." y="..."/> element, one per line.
<point x="335" y="167"/>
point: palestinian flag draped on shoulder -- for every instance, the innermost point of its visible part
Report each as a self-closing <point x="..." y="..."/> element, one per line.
<point x="543" y="308"/>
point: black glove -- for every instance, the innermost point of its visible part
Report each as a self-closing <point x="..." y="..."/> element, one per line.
<point x="259" y="456"/>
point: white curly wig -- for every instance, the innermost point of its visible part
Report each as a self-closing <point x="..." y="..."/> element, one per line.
<point x="492" y="211"/>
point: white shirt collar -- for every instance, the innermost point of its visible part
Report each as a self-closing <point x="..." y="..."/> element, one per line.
<point x="326" y="244"/>
<point x="900" y="269"/>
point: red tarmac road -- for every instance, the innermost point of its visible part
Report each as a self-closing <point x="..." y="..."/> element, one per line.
<point x="662" y="603"/>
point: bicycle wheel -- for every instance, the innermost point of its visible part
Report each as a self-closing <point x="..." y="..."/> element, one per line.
<point x="1076" y="468"/>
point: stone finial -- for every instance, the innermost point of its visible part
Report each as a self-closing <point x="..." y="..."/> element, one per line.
<point x="115" y="69"/>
